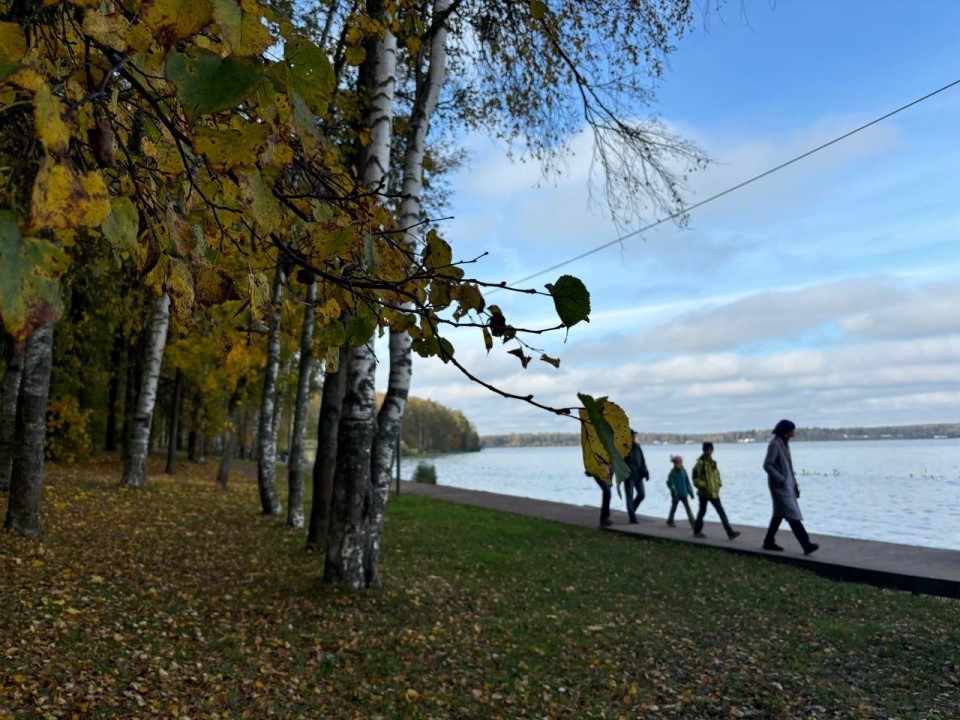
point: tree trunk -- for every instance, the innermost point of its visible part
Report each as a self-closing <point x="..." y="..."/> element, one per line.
<point x="113" y="392"/>
<point x="349" y="560"/>
<point x="324" y="465"/>
<point x="9" y="391"/>
<point x="173" y="423"/>
<point x="198" y="430"/>
<point x="230" y="445"/>
<point x="267" y="436"/>
<point x="135" y="467"/>
<point x="401" y="360"/>
<point x="26" y="481"/>
<point x="296" y="461"/>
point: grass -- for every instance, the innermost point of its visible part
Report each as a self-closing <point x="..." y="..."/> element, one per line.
<point x="180" y="601"/>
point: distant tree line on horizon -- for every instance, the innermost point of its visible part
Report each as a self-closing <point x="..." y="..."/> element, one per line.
<point x="887" y="432"/>
<point x="429" y="427"/>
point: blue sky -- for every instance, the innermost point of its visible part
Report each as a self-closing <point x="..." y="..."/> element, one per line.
<point x="827" y="293"/>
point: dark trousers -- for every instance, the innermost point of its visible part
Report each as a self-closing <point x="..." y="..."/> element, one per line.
<point x="698" y="523"/>
<point x="634" y="496"/>
<point x="605" y="501"/>
<point x="686" y="506"/>
<point x="798" y="530"/>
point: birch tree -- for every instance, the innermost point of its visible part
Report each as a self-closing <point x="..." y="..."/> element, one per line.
<point x="349" y="559"/>
<point x="9" y="390"/>
<point x="135" y="464"/>
<point x="267" y="435"/>
<point x="27" y="477"/>
<point x="297" y="460"/>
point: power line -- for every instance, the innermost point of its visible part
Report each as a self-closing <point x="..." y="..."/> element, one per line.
<point x="736" y="187"/>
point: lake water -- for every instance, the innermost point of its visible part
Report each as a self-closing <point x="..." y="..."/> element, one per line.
<point x="901" y="491"/>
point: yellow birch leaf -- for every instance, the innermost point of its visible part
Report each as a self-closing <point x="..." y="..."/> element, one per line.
<point x="182" y="238"/>
<point x="230" y="149"/>
<point x="63" y="198"/>
<point x="174" y="20"/>
<point x="110" y="30"/>
<point x="241" y="27"/>
<point x="179" y="285"/>
<point x="13" y="43"/>
<point x="49" y="126"/>
<point x="262" y="205"/>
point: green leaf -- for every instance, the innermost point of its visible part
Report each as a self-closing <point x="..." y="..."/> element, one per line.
<point x="571" y="298"/>
<point x="605" y="437"/>
<point x="29" y="280"/>
<point x="311" y="74"/>
<point x="206" y="82"/>
<point x="121" y="228"/>
<point x="361" y="325"/>
<point x="9" y="68"/>
<point x="538" y="9"/>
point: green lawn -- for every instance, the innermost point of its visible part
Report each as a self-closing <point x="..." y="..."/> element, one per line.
<point x="181" y="601"/>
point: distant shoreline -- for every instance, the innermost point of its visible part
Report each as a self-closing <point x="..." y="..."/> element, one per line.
<point x="944" y="431"/>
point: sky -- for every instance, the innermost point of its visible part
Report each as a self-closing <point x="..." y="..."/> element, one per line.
<point x="827" y="293"/>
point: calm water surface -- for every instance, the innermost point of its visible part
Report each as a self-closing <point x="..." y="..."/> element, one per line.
<point x="902" y="491"/>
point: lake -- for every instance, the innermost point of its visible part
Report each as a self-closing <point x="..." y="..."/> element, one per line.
<point x="901" y="491"/>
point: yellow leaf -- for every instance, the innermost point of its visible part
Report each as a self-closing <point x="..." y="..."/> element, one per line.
<point x="263" y="208"/>
<point x="174" y="20"/>
<point x="63" y="198"/>
<point x="13" y="43"/>
<point x="49" y="126"/>
<point x="230" y="149"/>
<point x="110" y="30"/>
<point x="179" y="285"/>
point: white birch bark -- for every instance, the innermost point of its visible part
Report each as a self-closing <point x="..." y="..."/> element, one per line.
<point x="267" y="436"/>
<point x="401" y="360"/>
<point x="9" y="391"/>
<point x="296" y="461"/>
<point x="26" y="480"/>
<point x="135" y="466"/>
<point x="348" y="560"/>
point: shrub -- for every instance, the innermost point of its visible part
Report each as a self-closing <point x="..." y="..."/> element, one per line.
<point x="425" y="473"/>
<point x="67" y="438"/>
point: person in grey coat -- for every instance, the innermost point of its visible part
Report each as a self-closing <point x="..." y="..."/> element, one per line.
<point x="784" y="490"/>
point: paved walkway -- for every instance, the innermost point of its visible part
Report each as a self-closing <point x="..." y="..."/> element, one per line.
<point x="922" y="570"/>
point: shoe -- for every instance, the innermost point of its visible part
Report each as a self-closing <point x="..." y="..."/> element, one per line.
<point x="633" y="521"/>
<point x="671" y="524"/>
<point x="772" y="546"/>
<point x="699" y="535"/>
<point x="811" y="548"/>
<point x="606" y="522"/>
<point x="734" y="535"/>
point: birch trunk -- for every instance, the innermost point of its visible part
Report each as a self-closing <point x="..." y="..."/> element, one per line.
<point x="9" y="391"/>
<point x="267" y="436"/>
<point x="401" y="360"/>
<point x="352" y="523"/>
<point x="135" y="466"/>
<point x="296" y="461"/>
<point x="172" y="423"/>
<point x="26" y="481"/>
<point x="348" y="559"/>
<point x="324" y="466"/>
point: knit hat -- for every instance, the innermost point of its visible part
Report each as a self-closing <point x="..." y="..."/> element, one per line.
<point x="783" y="427"/>
<point x="676" y="459"/>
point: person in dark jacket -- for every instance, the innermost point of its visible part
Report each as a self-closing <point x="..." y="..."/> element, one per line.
<point x="604" y="486"/>
<point x="638" y="474"/>
<point x="784" y="491"/>
<point x="680" y="490"/>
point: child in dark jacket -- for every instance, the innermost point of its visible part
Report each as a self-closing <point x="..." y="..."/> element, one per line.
<point x="680" y="490"/>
